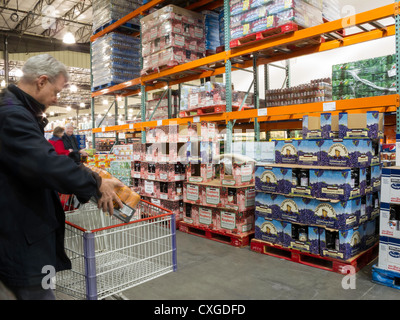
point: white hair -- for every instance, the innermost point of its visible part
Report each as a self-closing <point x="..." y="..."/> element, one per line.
<point x="43" y="64"/>
<point x="69" y="125"/>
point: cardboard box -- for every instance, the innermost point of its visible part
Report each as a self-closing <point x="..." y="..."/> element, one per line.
<point x="361" y="125"/>
<point x="376" y="176"/>
<point x="353" y="153"/>
<point x="162" y="190"/>
<point x="389" y="226"/>
<point x="286" y="151"/>
<point x="233" y="222"/>
<point x="267" y="204"/>
<point x="293" y="209"/>
<point x="273" y="179"/>
<point x="390" y="185"/>
<point x="197" y="172"/>
<point x="325" y="126"/>
<point x="177" y="207"/>
<point x="273" y="231"/>
<point x="309" y="152"/>
<point x="348" y="244"/>
<point x="338" y="215"/>
<point x="389" y="253"/>
<point x="338" y="184"/>
<point x="242" y="174"/>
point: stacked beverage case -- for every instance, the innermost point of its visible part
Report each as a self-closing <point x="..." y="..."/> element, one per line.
<point x="171" y="36"/>
<point x="321" y="195"/>
<point x="108" y="11"/>
<point x="115" y="59"/>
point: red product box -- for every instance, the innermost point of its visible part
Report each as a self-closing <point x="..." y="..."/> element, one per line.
<point x="197" y="172"/>
<point x="242" y="174"/>
<point x="234" y="222"/>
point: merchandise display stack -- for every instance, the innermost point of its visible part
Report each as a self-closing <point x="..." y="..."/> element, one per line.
<point x="320" y="198"/>
<point x="171" y="36"/>
<point x="210" y="98"/>
<point x="387" y="270"/>
<point x="106" y="12"/>
<point x="315" y="91"/>
<point x="364" y="78"/>
<point x="252" y="17"/>
<point x="218" y="192"/>
<point x="158" y="169"/>
<point x="115" y="59"/>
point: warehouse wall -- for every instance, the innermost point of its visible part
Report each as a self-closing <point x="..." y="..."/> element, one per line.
<point x="69" y="58"/>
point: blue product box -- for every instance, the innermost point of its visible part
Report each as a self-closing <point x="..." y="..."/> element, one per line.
<point x="290" y="208"/>
<point x="305" y="238"/>
<point x="273" y="179"/>
<point x="371" y="233"/>
<point x="338" y="184"/>
<point x="361" y="125"/>
<point x="286" y="151"/>
<point x="376" y="175"/>
<point x="353" y="153"/>
<point x="334" y="214"/>
<point x="324" y="126"/>
<point x="265" y="205"/>
<point x="272" y="230"/>
<point x="309" y="152"/>
<point x="348" y="244"/>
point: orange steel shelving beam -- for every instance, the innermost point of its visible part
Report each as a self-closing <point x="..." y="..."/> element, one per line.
<point x="387" y="103"/>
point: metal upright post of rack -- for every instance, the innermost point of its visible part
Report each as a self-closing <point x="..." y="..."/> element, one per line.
<point x="256" y="98"/>
<point x="228" y="78"/>
<point x="92" y="102"/>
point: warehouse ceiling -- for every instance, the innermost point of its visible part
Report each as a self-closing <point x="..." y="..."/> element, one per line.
<point x="46" y="19"/>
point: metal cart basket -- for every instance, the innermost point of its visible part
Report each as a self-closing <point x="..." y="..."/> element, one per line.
<point x="109" y="256"/>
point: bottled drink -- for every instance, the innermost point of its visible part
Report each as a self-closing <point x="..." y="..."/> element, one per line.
<point x="355" y="178"/>
<point x="231" y="195"/>
<point x="179" y="188"/>
<point x="304" y="175"/>
<point x="303" y="236"/>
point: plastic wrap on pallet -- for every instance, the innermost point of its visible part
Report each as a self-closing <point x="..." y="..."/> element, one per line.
<point x="211" y="23"/>
<point x="248" y="18"/>
<point x="364" y="78"/>
<point x="106" y="11"/>
<point x="331" y="10"/>
<point x="115" y="59"/>
<point x="222" y="28"/>
<point x="171" y="36"/>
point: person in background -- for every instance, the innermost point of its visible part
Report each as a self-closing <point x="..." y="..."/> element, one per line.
<point x="57" y="142"/>
<point x="32" y="174"/>
<point x="70" y="142"/>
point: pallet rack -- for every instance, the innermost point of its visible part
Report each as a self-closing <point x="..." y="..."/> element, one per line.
<point x="263" y="52"/>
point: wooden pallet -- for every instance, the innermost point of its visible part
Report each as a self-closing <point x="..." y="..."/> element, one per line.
<point x="386" y="277"/>
<point x="236" y="240"/>
<point x="339" y="266"/>
<point x="262" y="35"/>
<point x="206" y="111"/>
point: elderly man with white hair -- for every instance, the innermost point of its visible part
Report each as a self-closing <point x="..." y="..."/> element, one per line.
<point x="70" y="142"/>
<point x="32" y="220"/>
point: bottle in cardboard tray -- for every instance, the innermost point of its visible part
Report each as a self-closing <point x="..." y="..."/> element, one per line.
<point x="304" y="177"/>
<point x="303" y="236"/>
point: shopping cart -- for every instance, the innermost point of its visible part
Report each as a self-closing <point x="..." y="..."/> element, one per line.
<point x="109" y="256"/>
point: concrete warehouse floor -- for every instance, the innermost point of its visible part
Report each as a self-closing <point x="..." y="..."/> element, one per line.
<point x="209" y="270"/>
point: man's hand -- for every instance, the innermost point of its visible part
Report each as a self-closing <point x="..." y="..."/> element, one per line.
<point x="108" y="195"/>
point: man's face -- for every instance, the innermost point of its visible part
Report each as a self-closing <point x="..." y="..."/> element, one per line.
<point x="69" y="130"/>
<point x="47" y="90"/>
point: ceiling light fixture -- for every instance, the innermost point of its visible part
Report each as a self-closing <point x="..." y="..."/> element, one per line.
<point x="73" y="88"/>
<point x="69" y="38"/>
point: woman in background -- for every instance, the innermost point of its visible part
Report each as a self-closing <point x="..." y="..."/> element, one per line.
<point x="57" y="142"/>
